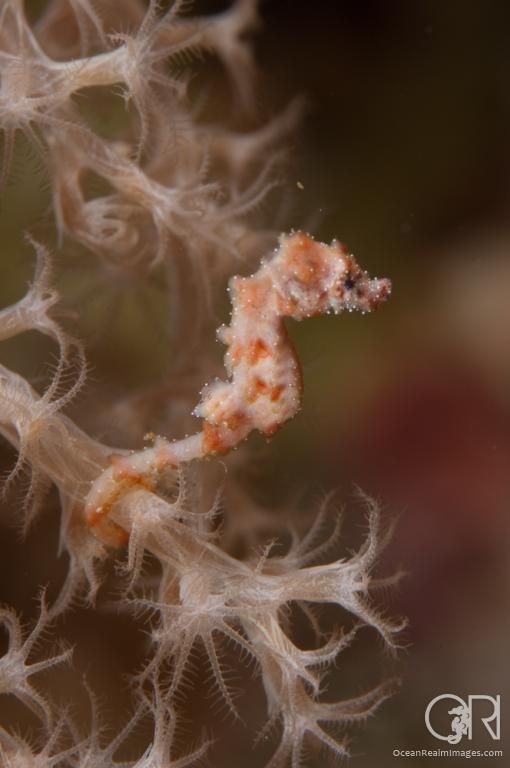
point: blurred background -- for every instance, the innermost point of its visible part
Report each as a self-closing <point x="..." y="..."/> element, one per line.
<point x="403" y="153"/>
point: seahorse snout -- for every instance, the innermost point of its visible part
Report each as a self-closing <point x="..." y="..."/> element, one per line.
<point x="378" y="290"/>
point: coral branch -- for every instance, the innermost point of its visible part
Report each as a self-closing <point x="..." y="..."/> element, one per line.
<point x="14" y="669"/>
<point x="31" y="312"/>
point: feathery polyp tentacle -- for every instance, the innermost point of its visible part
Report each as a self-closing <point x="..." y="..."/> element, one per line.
<point x="31" y="312"/>
<point x="15" y="670"/>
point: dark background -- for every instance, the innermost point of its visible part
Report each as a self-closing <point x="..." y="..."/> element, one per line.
<point x="405" y="156"/>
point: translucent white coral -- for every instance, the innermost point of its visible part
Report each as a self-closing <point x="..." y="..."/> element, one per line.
<point x="206" y="597"/>
<point x="15" y="670"/>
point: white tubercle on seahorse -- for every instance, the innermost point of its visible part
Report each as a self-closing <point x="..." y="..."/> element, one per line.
<point x="304" y="278"/>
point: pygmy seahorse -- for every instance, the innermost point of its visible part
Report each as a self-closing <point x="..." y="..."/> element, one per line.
<point x="303" y="278"/>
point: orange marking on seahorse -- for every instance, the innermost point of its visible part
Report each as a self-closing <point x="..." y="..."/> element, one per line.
<point x="286" y="305"/>
<point x="256" y="387"/>
<point x="305" y="259"/>
<point x="125" y="477"/>
<point x="250" y="292"/>
<point x="109" y="532"/>
<point x="236" y="352"/>
<point x="276" y="392"/>
<point x="235" y="420"/>
<point x="162" y="461"/>
<point x="256" y="350"/>
<point x="214" y="439"/>
<point x="270" y="429"/>
<point x="121" y="468"/>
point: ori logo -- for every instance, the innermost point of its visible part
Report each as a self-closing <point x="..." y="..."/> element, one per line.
<point x="462" y="714"/>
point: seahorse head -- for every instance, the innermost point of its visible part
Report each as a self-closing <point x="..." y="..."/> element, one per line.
<point x="313" y="278"/>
